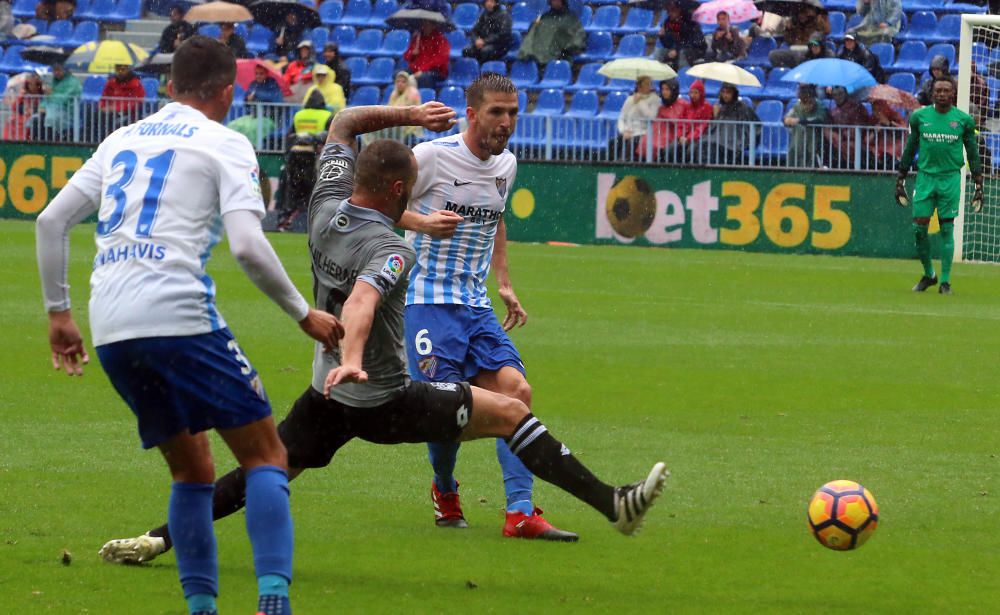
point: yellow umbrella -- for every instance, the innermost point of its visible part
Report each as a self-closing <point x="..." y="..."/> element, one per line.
<point x="218" y="12"/>
<point x="633" y="68"/>
<point x="103" y="56"/>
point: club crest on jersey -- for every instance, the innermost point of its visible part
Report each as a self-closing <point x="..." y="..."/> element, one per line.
<point x="341" y="221"/>
<point x="255" y="182"/>
<point x="502" y="186"/>
<point x="393" y="267"/>
<point x="953" y="124"/>
<point x="428" y="366"/>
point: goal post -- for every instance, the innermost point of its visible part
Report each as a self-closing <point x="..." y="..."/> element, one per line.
<point x="977" y="236"/>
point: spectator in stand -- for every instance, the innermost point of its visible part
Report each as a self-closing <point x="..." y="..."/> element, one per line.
<point x="804" y="147"/>
<point x="557" y="34"/>
<point x="313" y="117"/>
<point x="727" y="44"/>
<point x="730" y="134"/>
<point x="881" y="20"/>
<point x="404" y="94"/>
<point x="323" y="83"/>
<point x="845" y="113"/>
<point x="667" y="127"/>
<point x="681" y="40"/>
<point x="56" y="112"/>
<point x="885" y="146"/>
<point x="288" y="35"/>
<point x="857" y="52"/>
<point x="296" y="69"/>
<point x="491" y="36"/>
<point x="50" y="10"/>
<point x="427" y="55"/>
<point x="633" y="122"/>
<point x="341" y="74"/>
<point x="817" y="49"/>
<point x="120" y="101"/>
<point x="940" y="69"/>
<point x="697" y="114"/>
<point x="264" y="88"/>
<point x="24" y="107"/>
<point x="235" y="42"/>
<point x="796" y="31"/>
<point x="6" y="20"/>
<point x="979" y="97"/>
<point x="175" y="33"/>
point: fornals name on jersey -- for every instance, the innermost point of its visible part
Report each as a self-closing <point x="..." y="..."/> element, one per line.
<point x="474" y="213"/>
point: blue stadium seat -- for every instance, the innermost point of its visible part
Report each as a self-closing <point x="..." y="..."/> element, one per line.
<point x="522" y="101"/>
<point x="955" y="6"/>
<point x="618" y="85"/>
<point x="884" y="51"/>
<point x="393" y="45"/>
<point x="922" y="27"/>
<point x="600" y="46"/>
<point x="453" y="97"/>
<point x="912" y="58"/>
<point x="494" y="66"/>
<point x="84" y="32"/>
<point x="261" y="40"/>
<point x="586" y="15"/>
<point x="331" y="12"/>
<point x="357" y="13"/>
<point x="912" y="6"/>
<point x="522" y="15"/>
<point x="366" y="41"/>
<point x="93" y="87"/>
<point x="558" y="74"/>
<point x="462" y="73"/>
<point x="605" y="19"/>
<point x="512" y="52"/>
<point x="588" y="78"/>
<point x="99" y="10"/>
<point x="838" y="21"/>
<point x="82" y="6"/>
<point x="776" y="88"/>
<point x="127" y="9"/>
<point x="427" y="94"/>
<point x="524" y="73"/>
<point x="61" y="30"/>
<point x="774" y="135"/>
<point x="584" y="104"/>
<point x="465" y="16"/>
<point x="631" y="46"/>
<point x="943" y="49"/>
<point x="981" y="56"/>
<point x="638" y="21"/>
<point x="381" y="71"/>
<point x="903" y="81"/>
<point x="23" y="9"/>
<point x="949" y="29"/>
<point x="550" y="102"/>
<point x="365" y="95"/>
<point x="151" y="86"/>
<point x="613" y="104"/>
<point x="211" y="30"/>
<point x="318" y="35"/>
<point x="12" y="61"/>
<point x="458" y="41"/>
<point x="840" y="5"/>
<point x="381" y="12"/>
<point x="757" y="54"/>
<point x="357" y="65"/>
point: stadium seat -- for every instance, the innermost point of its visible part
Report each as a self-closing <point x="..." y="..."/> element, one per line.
<point x="99" y="10"/>
<point x="618" y="85"/>
<point x="757" y="54"/>
<point x="127" y="9"/>
<point x="61" y="30"/>
<point x="840" y="5"/>
<point x="631" y="46"/>
<point x="13" y="63"/>
<point x="588" y="78"/>
<point x="331" y="12"/>
<point x="943" y="49"/>
<point x="558" y="74"/>
<point x="357" y="65"/>
<point x="453" y="97"/>
<point x="884" y="52"/>
<point x="550" y="102"/>
<point x="462" y="73"/>
<point x="23" y="9"/>
<point x="458" y="40"/>
<point x="366" y="41"/>
<point x="93" y="87"/>
<point x="776" y="88"/>
<point x="211" y="30"/>
<point x="912" y="58"/>
<point x="151" y="85"/>
<point x="586" y="15"/>
<point x="512" y="52"/>
<point x="393" y="45"/>
<point x="949" y="29"/>
<point x="465" y="16"/>
<point x="365" y="95"/>
<point x="981" y="56"/>
<point x="955" y="6"/>
<point x="774" y="136"/>
<point x="606" y="19"/>
<point x="380" y="12"/>
<point x="584" y="104"/>
<point x="494" y="66"/>
<point x="381" y="71"/>
<point x="524" y="73"/>
<point x="85" y="32"/>
<point x="427" y="94"/>
<point x="922" y="27"/>
<point x="261" y="40"/>
<point x="903" y="81"/>
<point x="638" y="21"/>
<point x="745" y="90"/>
<point x="613" y="104"/>
<point x="600" y="46"/>
<point x="318" y="35"/>
<point x="522" y="15"/>
<point x="838" y="21"/>
<point x="357" y="13"/>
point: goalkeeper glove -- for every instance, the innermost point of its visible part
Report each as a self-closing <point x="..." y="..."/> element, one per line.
<point x="977" y="194"/>
<point x="901" y="199"/>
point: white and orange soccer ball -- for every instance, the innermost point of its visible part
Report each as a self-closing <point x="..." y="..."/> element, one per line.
<point x="842" y="515"/>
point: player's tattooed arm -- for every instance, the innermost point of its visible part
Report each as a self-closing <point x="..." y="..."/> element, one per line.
<point x="355" y="121"/>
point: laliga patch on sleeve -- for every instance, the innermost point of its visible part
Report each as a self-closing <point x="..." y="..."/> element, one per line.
<point x="393" y="267"/>
<point x="255" y="182"/>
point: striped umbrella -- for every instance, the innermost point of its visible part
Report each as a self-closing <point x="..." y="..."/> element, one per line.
<point x="103" y="56"/>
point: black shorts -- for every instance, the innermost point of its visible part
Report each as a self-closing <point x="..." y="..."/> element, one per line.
<point x="423" y="412"/>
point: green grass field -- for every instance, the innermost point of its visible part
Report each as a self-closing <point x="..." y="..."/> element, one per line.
<point x="755" y="377"/>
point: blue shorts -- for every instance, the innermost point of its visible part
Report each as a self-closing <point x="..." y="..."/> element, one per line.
<point x="193" y="383"/>
<point x="453" y="343"/>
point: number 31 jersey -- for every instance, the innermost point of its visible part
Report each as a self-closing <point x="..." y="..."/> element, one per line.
<point x="163" y="185"/>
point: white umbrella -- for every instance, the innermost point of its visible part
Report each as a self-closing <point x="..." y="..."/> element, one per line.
<point x="727" y="73"/>
<point x="633" y="68"/>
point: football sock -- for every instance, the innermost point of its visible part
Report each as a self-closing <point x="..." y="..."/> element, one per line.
<point x="230" y="495"/>
<point x="923" y="248"/>
<point x="273" y="605"/>
<point x="199" y="604"/>
<point x="551" y="461"/>
<point x="190" y="514"/>
<point x="947" y="249"/>
<point x="443" y="456"/>
<point x="517" y="480"/>
<point x="269" y="521"/>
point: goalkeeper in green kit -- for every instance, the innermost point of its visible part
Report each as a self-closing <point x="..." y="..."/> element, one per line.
<point x="939" y="131"/>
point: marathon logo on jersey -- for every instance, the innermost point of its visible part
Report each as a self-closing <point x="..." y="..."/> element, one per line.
<point x="393" y="267"/>
<point x="502" y="186"/>
<point x="255" y="182"/>
<point x="940" y="137"/>
<point x="472" y="213"/>
<point x="428" y="366"/>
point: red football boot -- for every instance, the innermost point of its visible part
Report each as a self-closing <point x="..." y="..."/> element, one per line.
<point x="447" y="508"/>
<point x="520" y="525"/>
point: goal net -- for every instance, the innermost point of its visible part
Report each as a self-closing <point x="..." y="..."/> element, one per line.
<point x="978" y="235"/>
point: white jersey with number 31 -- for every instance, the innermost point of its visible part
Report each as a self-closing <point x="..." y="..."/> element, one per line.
<point x="163" y="184"/>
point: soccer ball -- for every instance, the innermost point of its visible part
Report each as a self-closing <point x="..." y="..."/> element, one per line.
<point x="631" y="206"/>
<point x="842" y="515"/>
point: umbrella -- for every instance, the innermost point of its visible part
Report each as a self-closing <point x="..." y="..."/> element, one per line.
<point x="245" y="74"/>
<point x="272" y="13"/>
<point x="633" y="68"/>
<point x="248" y="125"/>
<point x="739" y="11"/>
<point x="218" y="12"/>
<point x="103" y="56"/>
<point x="43" y="54"/>
<point x="786" y="8"/>
<point x="725" y="72"/>
<point x="894" y="97"/>
<point x="159" y="63"/>
<point x="831" y="72"/>
<point x="413" y="19"/>
<point x="655" y="5"/>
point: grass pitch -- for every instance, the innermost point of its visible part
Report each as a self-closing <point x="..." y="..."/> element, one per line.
<point x="757" y="378"/>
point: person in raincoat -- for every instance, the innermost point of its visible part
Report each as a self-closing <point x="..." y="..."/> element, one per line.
<point x="880" y="20"/>
<point x="26" y="96"/>
<point x="557" y="34"/>
<point x="323" y="82"/>
<point x="729" y="136"/>
<point x="843" y="137"/>
<point x="805" y="144"/>
<point x="666" y="128"/>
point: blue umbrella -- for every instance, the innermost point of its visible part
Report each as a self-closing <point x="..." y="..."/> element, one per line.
<point x="831" y="72"/>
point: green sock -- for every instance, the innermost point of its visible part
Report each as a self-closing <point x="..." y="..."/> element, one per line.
<point x="923" y="248"/>
<point x="947" y="249"/>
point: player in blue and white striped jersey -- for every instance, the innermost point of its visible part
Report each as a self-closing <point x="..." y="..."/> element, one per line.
<point x="452" y="333"/>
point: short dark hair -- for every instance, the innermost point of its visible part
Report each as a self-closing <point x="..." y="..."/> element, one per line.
<point x="487" y="82"/>
<point x="382" y="162"/>
<point x="201" y="67"/>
